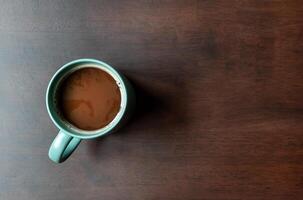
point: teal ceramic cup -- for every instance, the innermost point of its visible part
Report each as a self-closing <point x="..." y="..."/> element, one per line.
<point x="69" y="136"/>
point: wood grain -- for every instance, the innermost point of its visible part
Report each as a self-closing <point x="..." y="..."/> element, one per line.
<point x="220" y="99"/>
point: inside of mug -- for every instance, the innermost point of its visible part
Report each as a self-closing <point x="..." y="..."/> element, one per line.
<point x="53" y="102"/>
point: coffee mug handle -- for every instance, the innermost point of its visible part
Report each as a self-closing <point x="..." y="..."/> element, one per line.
<point x="62" y="147"/>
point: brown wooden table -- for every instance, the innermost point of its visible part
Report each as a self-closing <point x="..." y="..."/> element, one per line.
<point x="220" y="99"/>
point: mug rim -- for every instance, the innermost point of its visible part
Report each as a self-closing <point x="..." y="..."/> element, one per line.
<point x="70" y="129"/>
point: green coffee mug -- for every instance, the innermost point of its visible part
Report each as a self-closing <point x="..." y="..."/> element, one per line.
<point x="70" y="136"/>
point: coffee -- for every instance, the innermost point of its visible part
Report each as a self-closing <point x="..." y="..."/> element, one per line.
<point x="89" y="98"/>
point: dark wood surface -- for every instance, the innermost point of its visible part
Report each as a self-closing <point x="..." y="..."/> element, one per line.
<point x="220" y="99"/>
